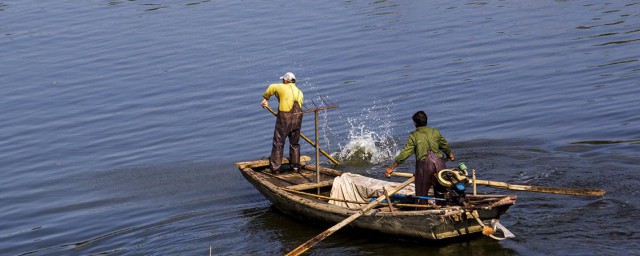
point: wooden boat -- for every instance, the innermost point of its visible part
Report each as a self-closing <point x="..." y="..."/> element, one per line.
<point x="295" y="194"/>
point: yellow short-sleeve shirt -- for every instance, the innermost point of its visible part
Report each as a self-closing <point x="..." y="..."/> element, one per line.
<point x="286" y="94"/>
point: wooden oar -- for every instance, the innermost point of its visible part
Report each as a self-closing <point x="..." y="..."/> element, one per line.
<point x="308" y="140"/>
<point x="313" y="241"/>
<point x="540" y="189"/>
<point x="563" y="191"/>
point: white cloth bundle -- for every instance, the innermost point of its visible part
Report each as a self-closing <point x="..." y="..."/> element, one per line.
<point x="354" y="187"/>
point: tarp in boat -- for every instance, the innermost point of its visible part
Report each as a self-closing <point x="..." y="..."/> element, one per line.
<point x="354" y="187"/>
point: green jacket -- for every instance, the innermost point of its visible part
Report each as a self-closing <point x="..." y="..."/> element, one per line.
<point x="422" y="140"/>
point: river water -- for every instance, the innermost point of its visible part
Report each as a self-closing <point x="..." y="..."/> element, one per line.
<point x="121" y="120"/>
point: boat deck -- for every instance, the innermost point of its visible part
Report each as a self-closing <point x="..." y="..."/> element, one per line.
<point x="303" y="184"/>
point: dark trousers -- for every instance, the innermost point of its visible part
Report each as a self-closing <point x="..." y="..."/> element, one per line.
<point x="426" y="171"/>
<point x="287" y="126"/>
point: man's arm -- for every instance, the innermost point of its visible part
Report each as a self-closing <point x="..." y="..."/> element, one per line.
<point x="407" y="150"/>
<point x="404" y="154"/>
<point x="444" y="146"/>
<point x="267" y="94"/>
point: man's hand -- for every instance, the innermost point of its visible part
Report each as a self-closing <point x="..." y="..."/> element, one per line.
<point x="451" y="156"/>
<point x="388" y="172"/>
<point x="265" y="103"/>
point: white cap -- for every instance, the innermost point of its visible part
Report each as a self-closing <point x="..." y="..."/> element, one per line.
<point x="289" y="77"/>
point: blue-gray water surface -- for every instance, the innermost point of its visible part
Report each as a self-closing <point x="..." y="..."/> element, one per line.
<point x="121" y="121"/>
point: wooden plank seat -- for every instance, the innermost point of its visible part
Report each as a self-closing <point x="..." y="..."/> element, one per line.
<point x="310" y="185"/>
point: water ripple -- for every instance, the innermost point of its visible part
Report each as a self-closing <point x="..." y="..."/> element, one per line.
<point x="133" y="113"/>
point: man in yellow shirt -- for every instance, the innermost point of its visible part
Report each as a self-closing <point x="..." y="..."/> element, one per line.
<point x="288" y="121"/>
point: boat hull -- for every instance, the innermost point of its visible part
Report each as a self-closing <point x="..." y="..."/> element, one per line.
<point x="431" y="224"/>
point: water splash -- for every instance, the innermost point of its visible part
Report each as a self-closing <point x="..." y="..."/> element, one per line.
<point x="368" y="144"/>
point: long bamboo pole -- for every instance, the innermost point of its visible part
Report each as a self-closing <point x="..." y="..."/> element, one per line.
<point x="313" y="241"/>
<point x="317" y="133"/>
<point x="540" y="189"/>
<point x="473" y="180"/>
<point x="310" y="142"/>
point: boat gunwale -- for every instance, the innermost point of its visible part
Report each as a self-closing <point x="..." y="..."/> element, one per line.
<point x="504" y="201"/>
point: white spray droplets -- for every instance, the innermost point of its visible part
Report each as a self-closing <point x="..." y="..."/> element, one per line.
<point x="370" y="139"/>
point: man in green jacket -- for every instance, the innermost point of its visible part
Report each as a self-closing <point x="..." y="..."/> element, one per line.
<point x="427" y="144"/>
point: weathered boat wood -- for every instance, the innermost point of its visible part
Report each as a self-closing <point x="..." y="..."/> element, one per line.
<point x="295" y="194"/>
<point x="265" y="162"/>
<point x="541" y="189"/>
<point x="313" y="241"/>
